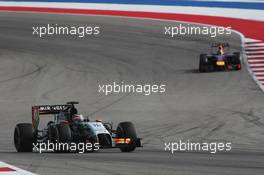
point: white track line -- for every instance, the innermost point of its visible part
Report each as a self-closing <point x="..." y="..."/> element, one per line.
<point x="253" y="51"/>
<point x="250" y="14"/>
<point x="251" y="40"/>
<point x="250" y="49"/>
<point x="254" y="44"/>
<point x="257" y="64"/>
<point x="255" y="56"/>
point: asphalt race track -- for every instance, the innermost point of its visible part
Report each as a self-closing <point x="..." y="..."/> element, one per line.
<point x="220" y="106"/>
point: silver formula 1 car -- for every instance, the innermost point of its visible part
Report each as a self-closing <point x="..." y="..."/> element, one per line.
<point x="69" y="127"/>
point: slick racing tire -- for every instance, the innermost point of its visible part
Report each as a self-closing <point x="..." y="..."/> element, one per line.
<point x="204" y="64"/>
<point x="237" y="55"/>
<point x="238" y="60"/>
<point x="64" y="131"/>
<point x="201" y="63"/>
<point x="64" y="137"/>
<point x="127" y="130"/>
<point x="234" y="61"/>
<point x="23" y="137"/>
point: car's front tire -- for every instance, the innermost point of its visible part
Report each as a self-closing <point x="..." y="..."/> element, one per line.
<point x="127" y="130"/>
<point x="64" y="136"/>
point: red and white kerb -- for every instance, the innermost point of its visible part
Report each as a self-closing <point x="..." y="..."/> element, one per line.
<point x="255" y="58"/>
<point x="7" y="169"/>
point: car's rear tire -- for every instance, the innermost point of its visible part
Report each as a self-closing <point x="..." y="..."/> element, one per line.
<point x="238" y="60"/>
<point x="237" y="54"/>
<point x="234" y="61"/>
<point x="204" y="64"/>
<point x="127" y="130"/>
<point x="24" y="137"/>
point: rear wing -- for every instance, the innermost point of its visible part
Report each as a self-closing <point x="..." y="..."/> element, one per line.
<point x="51" y="109"/>
<point x="45" y="110"/>
<point x="214" y="47"/>
<point x="220" y="44"/>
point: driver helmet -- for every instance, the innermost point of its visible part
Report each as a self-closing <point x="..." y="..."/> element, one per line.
<point x="77" y="118"/>
<point x="221" y="49"/>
